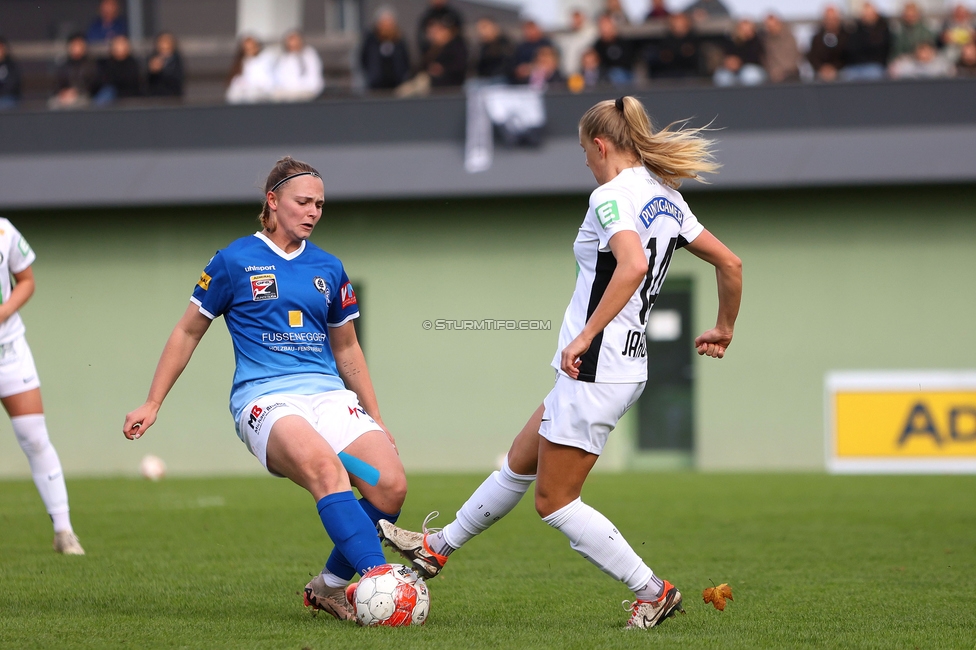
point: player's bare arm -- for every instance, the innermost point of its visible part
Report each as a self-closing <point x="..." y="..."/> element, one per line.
<point x="19" y="295"/>
<point x="176" y="354"/>
<point x="351" y="364"/>
<point x="728" y="275"/>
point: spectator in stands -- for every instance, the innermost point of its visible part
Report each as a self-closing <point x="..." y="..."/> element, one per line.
<point x="496" y="54"/>
<point x="616" y="11"/>
<point x="827" y="47"/>
<point x="966" y="66"/>
<point x="119" y="76"/>
<point x="678" y="54"/>
<point x="446" y="61"/>
<point x="616" y="54"/>
<point x="590" y="69"/>
<point x="781" y="56"/>
<point x="440" y="11"/>
<point x="384" y="56"/>
<point x="910" y="30"/>
<point x="706" y="10"/>
<point x="296" y="71"/>
<point x="532" y="39"/>
<point x="924" y="63"/>
<point x="958" y="28"/>
<point x="165" y="66"/>
<point x="545" y="69"/>
<point x="868" y="47"/>
<point x="76" y="78"/>
<point x="582" y="32"/>
<point x="109" y="23"/>
<point x="250" y="78"/>
<point x="9" y="77"/>
<point x="742" y="63"/>
<point x="658" y="11"/>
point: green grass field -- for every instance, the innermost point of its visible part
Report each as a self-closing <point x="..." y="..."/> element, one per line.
<point x="814" y="561"/>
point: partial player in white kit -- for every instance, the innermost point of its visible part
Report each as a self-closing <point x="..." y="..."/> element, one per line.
<point x="20" y="387"/>
<point x="635" y="222"/>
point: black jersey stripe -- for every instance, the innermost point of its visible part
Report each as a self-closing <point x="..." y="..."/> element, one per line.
<point x="606" y="264"/>
<point x="645" y="295"/>
<point x="663" y="270"/>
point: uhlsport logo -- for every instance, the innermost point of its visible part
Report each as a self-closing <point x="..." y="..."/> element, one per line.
<point x="607" y="213"/>
<point x="660" y="207"/>
<point x="348" y="295"/>
<point x="264" y="287"/>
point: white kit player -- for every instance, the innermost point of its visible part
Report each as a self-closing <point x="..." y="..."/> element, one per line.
<point x="302" y="399"/>
<point x="20" y="387"/>
<point x="635" y="222"/>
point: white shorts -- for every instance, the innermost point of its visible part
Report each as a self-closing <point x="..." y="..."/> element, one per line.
<point x="17" y="371"/>
<point x="582" y="414"/>
<point x="336" y="415"/>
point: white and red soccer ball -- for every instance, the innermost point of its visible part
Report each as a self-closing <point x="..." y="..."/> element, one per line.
<point x="392" y="595"/>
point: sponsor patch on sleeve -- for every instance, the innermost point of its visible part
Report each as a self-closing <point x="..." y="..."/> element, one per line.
<point x="607" y="213"/>
<point x="204" y="282"/>
<point x="24" y="247"/>
<point x="348" y="295"/>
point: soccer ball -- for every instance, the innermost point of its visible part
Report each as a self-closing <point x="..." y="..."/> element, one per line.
<point x="152" y="467"/>
<point x="393" y="595"/>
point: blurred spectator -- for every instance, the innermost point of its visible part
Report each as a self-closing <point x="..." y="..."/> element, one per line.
<point x="545" y="69"/>
<point x="296" y="71"/>
<point x="532" y="39"/>
<point x="868" y="46"/>
<point x="109" y="23"/>
<point x="616" y="54"/>
<point x="439" y="11"/>
<point x="966" y="66"/>
<point x="165" y="68"/>
<point x="658" y="10"/>
<point x="589" y="72"/>
<point x="9" y="77"/>
<point x="910" y="30"/>
<point x="119" y="76"/>
<point x="384" y="56"/>
<point x="781" y="56"/>
<point x="742" y="63"/>
<point x="828" y="45"/>
<point x="446" y="61"/>
<point x="707" y="9"/>
<point x="496" y="55"/>
<point x="924" y="63"/>
<point x="616" y="11"/>
<point x="76" y="78"/>
<point x="678" y="55"/>
<point x="250" y="77"/>
<point x="958" y="28"/>
<point x="572" y="44"/>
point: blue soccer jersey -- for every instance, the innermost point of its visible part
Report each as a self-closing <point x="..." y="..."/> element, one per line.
<point x="278" y="307"/>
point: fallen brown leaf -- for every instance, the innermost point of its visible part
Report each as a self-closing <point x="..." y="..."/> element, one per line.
<point x="717" y="596"/>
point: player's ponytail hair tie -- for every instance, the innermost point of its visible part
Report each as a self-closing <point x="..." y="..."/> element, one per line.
<point x="619" y="103"/>
<point x="288" y="178"/>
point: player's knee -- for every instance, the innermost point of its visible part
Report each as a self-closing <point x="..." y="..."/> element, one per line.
<point x="544" y="504"/>
<point x="327" y="476"/>
<point x="33" y="443"/>
<point x="393" y="486"/>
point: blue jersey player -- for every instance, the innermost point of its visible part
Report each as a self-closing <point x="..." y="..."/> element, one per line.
<point x="302" y="398"/>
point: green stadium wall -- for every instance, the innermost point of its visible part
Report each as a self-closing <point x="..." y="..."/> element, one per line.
<point x="878" y="278"/>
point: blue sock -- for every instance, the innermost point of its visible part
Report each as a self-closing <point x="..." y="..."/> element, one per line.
<point x="338" y="565"/>
<point x="351" y="531"/>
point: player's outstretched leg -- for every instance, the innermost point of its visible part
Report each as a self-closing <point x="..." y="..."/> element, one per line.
<point x="428" y="550"/>
<point x="31" y="433"/>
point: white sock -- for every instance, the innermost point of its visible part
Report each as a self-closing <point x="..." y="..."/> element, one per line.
<point x="594" y="537"/>
<point x="493" y="499"/>
<point x="332" y="580"/>
<point x="31" y="432"/>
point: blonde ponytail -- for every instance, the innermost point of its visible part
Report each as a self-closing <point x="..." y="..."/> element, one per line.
<point x="672" y="154"/>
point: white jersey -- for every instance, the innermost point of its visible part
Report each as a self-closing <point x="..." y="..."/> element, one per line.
<point x="635" y="201"/>
<point x="15" y="256"/>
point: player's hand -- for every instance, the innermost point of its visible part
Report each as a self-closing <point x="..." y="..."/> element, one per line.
<point x="713" y="342"/>
<point x="570" y="361"/>
<point x="389" y="435"/>
<point x="139" y="420"/>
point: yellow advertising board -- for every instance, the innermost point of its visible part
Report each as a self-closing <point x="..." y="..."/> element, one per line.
<point x="901" y="421"/>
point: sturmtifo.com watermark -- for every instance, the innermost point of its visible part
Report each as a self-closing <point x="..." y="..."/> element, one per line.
<point x="487" y="324"/>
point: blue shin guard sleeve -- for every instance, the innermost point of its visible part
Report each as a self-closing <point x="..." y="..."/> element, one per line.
<point x="351" y="531"/>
